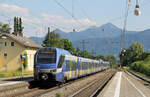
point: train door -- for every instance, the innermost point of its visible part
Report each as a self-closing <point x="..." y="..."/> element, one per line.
<point x="60" y="69"/>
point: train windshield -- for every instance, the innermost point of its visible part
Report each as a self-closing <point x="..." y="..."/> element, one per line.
<point x="46" y="56"/>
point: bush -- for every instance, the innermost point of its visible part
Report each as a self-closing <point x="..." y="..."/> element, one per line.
<point x="142" y="66"/>
<point x="2" y="75"/>
<point x="26" y="61"/>
<point x="5" y="74"/>
<point x="58" y="95"/>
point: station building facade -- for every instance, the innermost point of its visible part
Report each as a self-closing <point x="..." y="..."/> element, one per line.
<point x="12" y="47"/>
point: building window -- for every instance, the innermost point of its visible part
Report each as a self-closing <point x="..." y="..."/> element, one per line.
<point x="5" y="43"/>
<point x="12" y="44"/>
<point x="5" y="55"/>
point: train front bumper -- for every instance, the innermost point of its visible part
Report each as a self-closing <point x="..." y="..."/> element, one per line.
<point x="48" y="75"/>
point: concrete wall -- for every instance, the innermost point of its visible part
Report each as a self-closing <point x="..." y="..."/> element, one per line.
<point x="30" y="55"/>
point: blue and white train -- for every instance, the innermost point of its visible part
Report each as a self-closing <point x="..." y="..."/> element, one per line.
<point x="54" y="64"/>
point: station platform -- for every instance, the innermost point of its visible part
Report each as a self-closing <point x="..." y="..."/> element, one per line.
<point x="14" y="80"/>
<point x="125" y="85"/>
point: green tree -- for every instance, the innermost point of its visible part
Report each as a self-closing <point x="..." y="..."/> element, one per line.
<point x="15" y="25"/>
<point x="86" y="54"/>
<point x="67" y="45"/>
<point x="77" y="52"/>
<point x="100" y="57"/>
<point x="112" y="60"/>
<point x="145" y="55"/>
<point x="52" y="39"/>
<point x="5" y="28"/>
<point x="18" y="29"/>
<point x="136" y="51"/>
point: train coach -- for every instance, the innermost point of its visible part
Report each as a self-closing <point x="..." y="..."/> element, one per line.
<point x="54" y="64"/>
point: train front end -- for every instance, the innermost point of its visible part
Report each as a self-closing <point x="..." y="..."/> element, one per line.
<point x="45" y="64"/>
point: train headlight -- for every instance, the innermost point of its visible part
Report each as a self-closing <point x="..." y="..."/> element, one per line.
<point x="45" y="76"/>
<point x="54" y="70"/>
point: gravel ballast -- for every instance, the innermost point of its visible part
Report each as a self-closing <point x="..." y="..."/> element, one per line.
<point x="75" y="86"/>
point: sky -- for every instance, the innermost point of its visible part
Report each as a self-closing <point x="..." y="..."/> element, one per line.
<point x="67" y="15"/>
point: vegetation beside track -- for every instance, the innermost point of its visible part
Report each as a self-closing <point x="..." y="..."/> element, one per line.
<point x="6" y="74"/>
<point x="142" y="66"/>
<point x="136" y="58"/>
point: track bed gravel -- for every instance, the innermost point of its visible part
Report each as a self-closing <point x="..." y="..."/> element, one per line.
<point x="73" y="87"/>
<point x="32" y="89"/>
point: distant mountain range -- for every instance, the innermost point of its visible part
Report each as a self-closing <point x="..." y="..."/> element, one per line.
<point x="104" y="39"/>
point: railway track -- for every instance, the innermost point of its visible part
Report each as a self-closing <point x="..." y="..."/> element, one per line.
<point x="5" y="90"/>
<point x="31" y="89"/>
<point x="93" y="89"/>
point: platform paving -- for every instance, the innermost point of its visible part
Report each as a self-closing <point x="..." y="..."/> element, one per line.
<point x="125" y="85"/>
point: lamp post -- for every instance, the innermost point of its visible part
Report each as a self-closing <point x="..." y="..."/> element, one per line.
<point x="136" y="12"/>
<point x="124" y="26"/>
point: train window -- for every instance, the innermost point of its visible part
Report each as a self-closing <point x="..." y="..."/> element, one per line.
<point x="80" y="63"/>
<point x="70" y="64"/>
<point x="83" y="65"/>
<point x="67" y="64"/>
<point x="61" y="61"/>
<point x="86" y="65"/>
<point x="76" y="65"/>
<point x="46" y="56"/>
<point x="73" y="65"/>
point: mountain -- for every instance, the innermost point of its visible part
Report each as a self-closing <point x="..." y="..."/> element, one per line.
<point x="37" y="39"/>
<point x="104" y="39"/>
<point x="105" y="31"/>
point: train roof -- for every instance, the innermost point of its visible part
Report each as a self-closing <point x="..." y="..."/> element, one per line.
<point x="58" y="50"/>
<point x="71" y="57"/>
<point x="63" y="51"/>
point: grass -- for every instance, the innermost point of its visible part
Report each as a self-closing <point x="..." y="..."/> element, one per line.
<point x="58" y="94"/>
<point x="5" y="74"/>
<point x="142" y="67"/>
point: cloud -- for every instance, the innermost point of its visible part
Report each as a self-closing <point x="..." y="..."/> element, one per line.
<point x="39" y="24"/>
<point x="67" y="22"/>
<point x="13" y="10"/>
